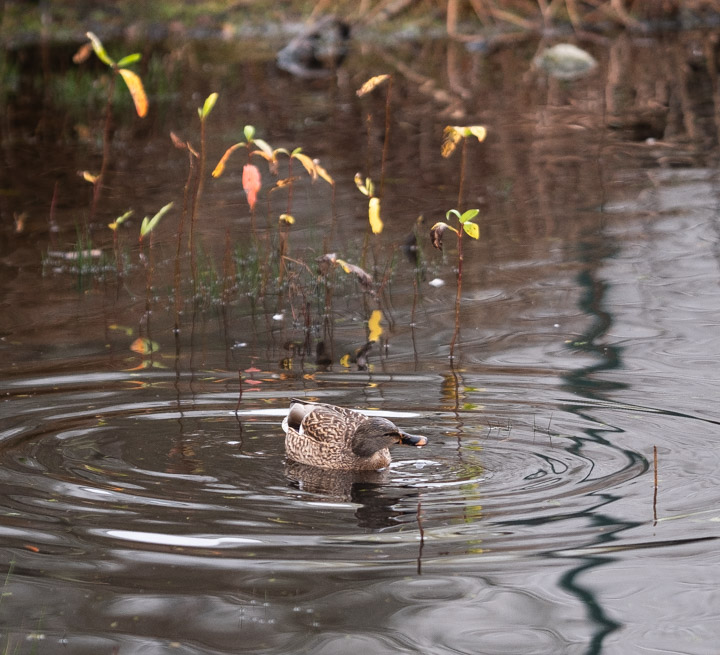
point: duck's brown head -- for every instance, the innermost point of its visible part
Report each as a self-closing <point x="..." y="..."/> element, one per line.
<point x="377" y="433"/>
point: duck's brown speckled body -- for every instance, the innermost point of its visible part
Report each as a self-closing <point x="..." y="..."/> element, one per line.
<point x="333" y="437"/>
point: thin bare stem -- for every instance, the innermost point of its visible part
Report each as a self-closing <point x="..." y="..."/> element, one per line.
<point x="198" y="187"/>
<point x="461" y="185"/>
<point x="181" y="230"/>
<point x="458" y="294"/>
<point x="107" y="135"/>
<point x="386" y="141"/>
<point x="655" y="489"/>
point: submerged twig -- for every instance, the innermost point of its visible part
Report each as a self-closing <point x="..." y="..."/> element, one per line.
<point x="655" y="487"/>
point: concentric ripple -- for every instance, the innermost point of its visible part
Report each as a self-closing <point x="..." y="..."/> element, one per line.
<point x="197" y="472"/>
<point x="171" y="500"/>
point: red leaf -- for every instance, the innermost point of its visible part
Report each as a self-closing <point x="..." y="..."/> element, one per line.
<point x="251" y="183"/>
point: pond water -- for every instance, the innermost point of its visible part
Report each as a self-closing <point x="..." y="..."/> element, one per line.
<point x="566" y="501"/>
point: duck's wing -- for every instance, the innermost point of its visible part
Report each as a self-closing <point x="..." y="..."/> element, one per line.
<point x="326" y="423"/>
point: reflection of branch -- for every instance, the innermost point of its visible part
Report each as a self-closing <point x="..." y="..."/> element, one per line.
<point x="386" y="10"/>
<point x="422" y="538"/>
<point x="655" y="467"/>
<point x="427" y="86"/>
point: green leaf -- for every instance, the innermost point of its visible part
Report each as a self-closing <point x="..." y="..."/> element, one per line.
<point x="120" y="220"/>
<point x="130" y="59"/>
<point x="296" y="151"/>
<point x="207" y="107"/>
<point x="471" y="229"/>
<point x="249" y="132"/>
<point x="149" y="224"/>
<point x="452" y="212"/>
<point x="100" y="49"/>
<point x="468" y="215"/>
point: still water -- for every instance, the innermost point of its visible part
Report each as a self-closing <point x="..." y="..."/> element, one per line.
<point x="566" y="501"/>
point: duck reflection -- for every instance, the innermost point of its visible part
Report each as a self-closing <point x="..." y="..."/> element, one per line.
<point x="377" y="501"/>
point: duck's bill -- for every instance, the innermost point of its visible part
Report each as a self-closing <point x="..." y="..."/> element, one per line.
<point x="412" y="440"/>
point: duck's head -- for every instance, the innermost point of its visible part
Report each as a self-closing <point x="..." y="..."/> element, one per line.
<point x="377" y="433"/>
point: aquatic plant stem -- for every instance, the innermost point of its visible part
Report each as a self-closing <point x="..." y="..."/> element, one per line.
<point x="53" y="226"/>
<point x="197" y="192"/>
<point x="98" y="185"/>
<point x="458" y="294"/>
<point x="461" y="185"/>
<point x="386" y="140"/>
<point x="181" y="230"/>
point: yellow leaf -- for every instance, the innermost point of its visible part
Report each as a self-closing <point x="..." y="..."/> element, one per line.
<point x="360" y="185"/>
<point x="345" y="266"/>
<point x="280" y="184"/>
<point x="287" y="218"/>
<point x="376" y="224"/>
<point x="374" y="327"/>
<point x="308" y="163"/>
<point x="323" y="173"/>
<point x="135" y="86"/>
<point x="472" y="229"/>
<point x="345" y="361"/>
<point x="372" y="83"/>
<point x="451" y="137"/>
<point x="121" y="328"/>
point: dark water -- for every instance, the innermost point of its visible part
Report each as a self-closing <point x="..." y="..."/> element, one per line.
<point x="145" y="502"/>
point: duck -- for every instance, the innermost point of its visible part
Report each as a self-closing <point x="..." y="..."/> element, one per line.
<point x="318" y="51"/>
<point x="330" y="437"/>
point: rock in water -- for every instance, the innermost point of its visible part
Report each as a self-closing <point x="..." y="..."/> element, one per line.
<point x="565" y="61"/>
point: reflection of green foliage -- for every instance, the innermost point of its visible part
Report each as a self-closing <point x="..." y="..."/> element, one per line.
<point x="248" y="271"/>
<point x="84" y="260"/>
<point x="81" y="93"/>
<point x="9" y="79"/>
<point x="209" y="282"/>
<point x="162" y="78"/>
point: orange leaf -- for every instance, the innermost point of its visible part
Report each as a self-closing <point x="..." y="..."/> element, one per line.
<point x="220" y="168"/>
<point x="144" y="346"/>
<point x="177" y="141"/>
<point x="251" y="183"/>
<point x="135" y="86"/>
<point x="83" y="53"/>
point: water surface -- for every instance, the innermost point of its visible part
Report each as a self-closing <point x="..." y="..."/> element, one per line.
<point x="566" y="499"/>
